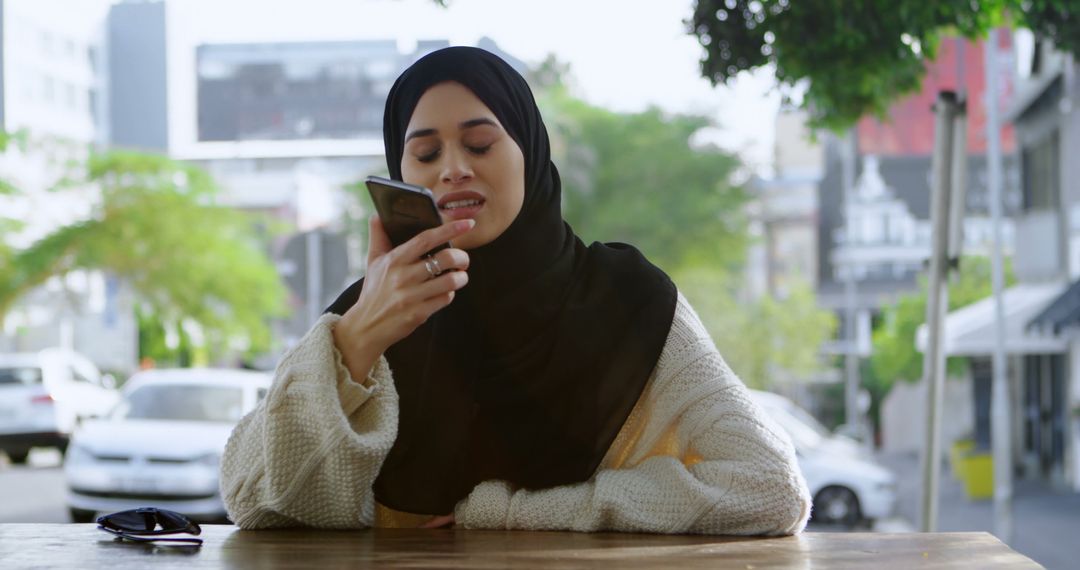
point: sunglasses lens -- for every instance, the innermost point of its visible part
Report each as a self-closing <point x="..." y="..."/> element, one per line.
<point x="173" y="521"/>
<point x="130" y="520"/>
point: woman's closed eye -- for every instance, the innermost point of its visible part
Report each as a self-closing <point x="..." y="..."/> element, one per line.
<point x="479" y="150"/>
<point x="432" y="155"/>
<point x="428" y="157"/>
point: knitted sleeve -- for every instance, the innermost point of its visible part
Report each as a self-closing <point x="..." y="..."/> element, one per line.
<point x="309" y="453"/>
<point x="706" y="460"/>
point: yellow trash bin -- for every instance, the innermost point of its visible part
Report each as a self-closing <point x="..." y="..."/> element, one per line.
<point x="978" y="474"/>
<point x="956" y="456"/>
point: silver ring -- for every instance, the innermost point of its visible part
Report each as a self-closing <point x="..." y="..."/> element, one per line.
<point x="435" y="262"/>
<point x="431" y="268"/>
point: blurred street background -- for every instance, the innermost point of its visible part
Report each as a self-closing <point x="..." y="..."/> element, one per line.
<point x="180" y="189"/>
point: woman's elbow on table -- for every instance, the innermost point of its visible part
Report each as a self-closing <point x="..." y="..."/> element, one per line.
<point x="762" y="503"/>
<point x="794" y="510"/>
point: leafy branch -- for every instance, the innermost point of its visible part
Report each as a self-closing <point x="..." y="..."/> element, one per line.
<point x="856" y="57"/>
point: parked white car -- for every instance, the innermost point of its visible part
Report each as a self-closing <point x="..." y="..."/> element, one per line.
<point x="848" y="487"/>
<point x="44" y="395"/>
<point x="162" y="444"/>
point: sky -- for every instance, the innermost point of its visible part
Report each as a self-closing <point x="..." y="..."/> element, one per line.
<point x="624" y="54"/>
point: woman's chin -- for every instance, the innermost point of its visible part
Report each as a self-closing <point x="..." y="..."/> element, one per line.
<point x="466" y="244"/>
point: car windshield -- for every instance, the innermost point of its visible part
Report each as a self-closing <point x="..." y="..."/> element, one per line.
<point x="25" y="375"/>
<point x="183" y="402"/>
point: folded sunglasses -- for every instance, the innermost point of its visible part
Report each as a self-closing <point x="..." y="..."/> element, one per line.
<point x="149" y="524"/>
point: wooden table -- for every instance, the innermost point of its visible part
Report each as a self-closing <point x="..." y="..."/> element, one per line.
<point x="83" y="546"/>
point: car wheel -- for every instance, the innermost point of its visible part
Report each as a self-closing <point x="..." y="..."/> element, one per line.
<point x="837" y="505"/>
<point x="18" y="457"/>
<point x="81" y="515"/>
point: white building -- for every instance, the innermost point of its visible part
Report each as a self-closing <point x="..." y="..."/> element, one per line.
<point x="54" y="88"/>
<point x="884" y="239"/>
<point x="784" y="212"/>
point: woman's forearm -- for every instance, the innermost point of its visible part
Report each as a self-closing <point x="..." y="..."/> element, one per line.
<point x="308" y="455"/>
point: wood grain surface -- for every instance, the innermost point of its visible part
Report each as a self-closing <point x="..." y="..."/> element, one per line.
<point x="83" y="546"/>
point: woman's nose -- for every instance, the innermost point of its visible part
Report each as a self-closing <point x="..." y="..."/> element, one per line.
<point x="456" y="167"/>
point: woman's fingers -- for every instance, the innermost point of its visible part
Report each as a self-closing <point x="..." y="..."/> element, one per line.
<point x="420" y="311"/>
<point x="450" y="259"/>
<point x="400" y="293"/>
<point x="445" y="283"/>
<point x="439" y="522"/>
<point x="424" y="299"/>
<point x="440" y="263"/>
<point x="427" y="240"/>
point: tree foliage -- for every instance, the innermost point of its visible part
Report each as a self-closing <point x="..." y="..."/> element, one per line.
<point x="156" y="226"/>
<point x="766" y="341"/>
<point x="7" y="140"/>
<point x="856" y="57"/>
<point x="894" y="354"/>
<point x="637" y="178"/>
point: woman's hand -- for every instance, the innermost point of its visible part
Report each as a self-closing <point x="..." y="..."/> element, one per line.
<point x="399" y="292"/>
<point x="444" y="521"/>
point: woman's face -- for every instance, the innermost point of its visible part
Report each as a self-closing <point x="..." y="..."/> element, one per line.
<point x="455" y="146"/>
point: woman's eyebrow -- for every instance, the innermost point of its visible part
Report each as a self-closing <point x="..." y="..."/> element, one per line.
<point x="464" y="125"/>
<point x="476" y="123"/>
<point x="420" y="133"/>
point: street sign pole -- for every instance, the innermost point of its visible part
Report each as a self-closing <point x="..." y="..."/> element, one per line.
<point x="937" y="299"/>
<point x="1001" y="424"/>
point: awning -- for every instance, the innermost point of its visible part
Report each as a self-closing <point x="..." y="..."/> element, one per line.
<point x="970" y="331"/>
<point x="1062" y="312"/>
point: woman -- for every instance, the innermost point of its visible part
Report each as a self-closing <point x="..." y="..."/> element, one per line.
<point x="520" y="379"/>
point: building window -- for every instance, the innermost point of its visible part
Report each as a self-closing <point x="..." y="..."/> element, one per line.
<point x="91" y="102"/>
<point x="1041" y="171"/>
<point x="28" y="84"/>
<point x="48" y="89"/>
<point x="46" y="40"/>
<point x="69" y="97"/>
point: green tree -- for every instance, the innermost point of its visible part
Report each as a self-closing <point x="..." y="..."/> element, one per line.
<point x="855" y="57"/>
<point x="637" y="178"/>
<point x="156" y="226"/>
<point x="766" y="341"/>
<point x="7" y="140"/>
<point x="894" y="355"/>
<point x="8" y="225"/>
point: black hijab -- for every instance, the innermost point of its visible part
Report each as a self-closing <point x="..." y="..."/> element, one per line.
<point x="530" y="373"/>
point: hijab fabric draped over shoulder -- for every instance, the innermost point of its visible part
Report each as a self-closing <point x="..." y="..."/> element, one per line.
<point x="530" y="373"/>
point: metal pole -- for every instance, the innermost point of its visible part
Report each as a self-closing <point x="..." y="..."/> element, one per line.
<point x="851" y="356"/>
<point x="958" y="200"/>
<point x="1001" y="426"/>
<point x="314" y="276"/>
<point x="937" y="298"/>
<point x="958" y="194"/>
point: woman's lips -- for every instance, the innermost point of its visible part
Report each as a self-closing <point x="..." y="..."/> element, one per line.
<point x="460" y="205"/>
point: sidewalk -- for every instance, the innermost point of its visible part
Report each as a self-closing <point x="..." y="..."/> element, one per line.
<point x="1046" y="524"/>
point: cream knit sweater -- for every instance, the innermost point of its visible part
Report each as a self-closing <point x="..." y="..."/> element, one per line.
<point x="695" y="456"/>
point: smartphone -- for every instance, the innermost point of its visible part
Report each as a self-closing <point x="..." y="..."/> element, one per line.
<point x="404" y="209"/>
